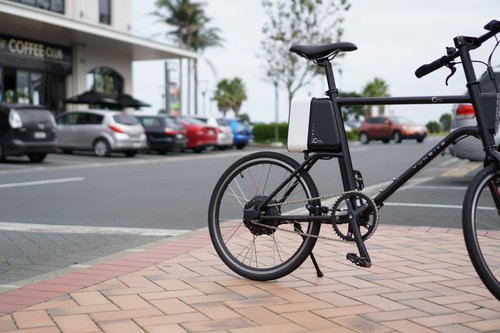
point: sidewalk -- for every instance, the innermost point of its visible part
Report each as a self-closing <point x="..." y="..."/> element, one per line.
<point x="421" y="281"/>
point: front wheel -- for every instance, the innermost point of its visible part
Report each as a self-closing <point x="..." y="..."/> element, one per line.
<point x="481" y="226"/>
<point x="256" y="249"/>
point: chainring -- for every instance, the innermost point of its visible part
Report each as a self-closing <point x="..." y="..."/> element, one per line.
<point x="351" y="205"/>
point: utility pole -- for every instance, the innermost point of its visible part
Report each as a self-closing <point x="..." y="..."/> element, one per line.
<point x="167" y="88"/>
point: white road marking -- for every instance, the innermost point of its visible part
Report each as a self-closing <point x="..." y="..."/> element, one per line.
<point x="47" y="228"/>
<point x="404" y="204"/>
<point x="43" y="182"/>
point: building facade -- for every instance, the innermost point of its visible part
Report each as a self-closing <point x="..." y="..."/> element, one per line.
<point x="53" y="49"/>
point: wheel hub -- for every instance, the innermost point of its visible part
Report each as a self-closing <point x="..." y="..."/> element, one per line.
<point x="250" y="214"/>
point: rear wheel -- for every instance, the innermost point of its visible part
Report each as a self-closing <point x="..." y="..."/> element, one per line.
<point x="101" y="148"/>
<point x="37" y="158"/>
<point x="130" y="153"/>
<point x="397" y="137"/>
<point x="481" y="226"/>
<point x="253" y="248"/>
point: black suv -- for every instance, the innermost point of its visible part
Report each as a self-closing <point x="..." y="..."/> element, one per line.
<point x="28" y="130"/>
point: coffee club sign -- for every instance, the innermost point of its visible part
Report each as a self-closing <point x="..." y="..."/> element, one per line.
<point x="28" y="48"/>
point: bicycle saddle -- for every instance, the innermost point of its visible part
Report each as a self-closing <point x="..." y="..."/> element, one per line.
<point x="317" y="52"/>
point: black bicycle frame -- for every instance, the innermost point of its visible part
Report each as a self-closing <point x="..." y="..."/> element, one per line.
<point x="464" y="45"/>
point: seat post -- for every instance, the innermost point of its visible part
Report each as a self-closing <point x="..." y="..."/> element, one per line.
<point x="345" y="162"/>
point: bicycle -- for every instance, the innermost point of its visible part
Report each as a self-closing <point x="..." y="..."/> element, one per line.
<point x="265" y="211"/>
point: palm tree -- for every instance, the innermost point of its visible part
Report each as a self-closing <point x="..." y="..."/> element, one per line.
<point x="191" y="31"/>
<point x="229" y="95"/>
<point x="376" y="88"/>
<point x="238" y="93"/>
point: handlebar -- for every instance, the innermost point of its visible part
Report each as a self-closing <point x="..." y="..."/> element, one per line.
<point x="493" y="28"/>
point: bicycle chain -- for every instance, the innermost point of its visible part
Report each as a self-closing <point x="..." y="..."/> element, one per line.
<point x="301" y="233"/>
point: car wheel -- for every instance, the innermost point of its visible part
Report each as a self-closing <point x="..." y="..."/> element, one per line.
<point x="397" y="137"/>
<point x="2" y="154"/>
<point x="130" y="153"/>
<point x="37" y="158"/>
<point x="101" y="148"/>
<point x="364" y="138"/>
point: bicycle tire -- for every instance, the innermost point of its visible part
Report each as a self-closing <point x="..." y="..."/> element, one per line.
<point x="481" y="226"/>
<point x="251" y="253"/>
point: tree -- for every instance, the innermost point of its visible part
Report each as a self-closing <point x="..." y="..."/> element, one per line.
<point x="445" y="121"/>
<point x="229" y="95"/>
<point x="376" y="88"/>
<point x="433" y="127"/>
<point x="191" y="30"/>
<point x="297" y="21"/>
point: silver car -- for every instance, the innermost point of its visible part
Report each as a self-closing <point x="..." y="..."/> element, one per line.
<point x="471" y="148"/>
<point x="225" y="134"/>
<point x="101" y="131"/>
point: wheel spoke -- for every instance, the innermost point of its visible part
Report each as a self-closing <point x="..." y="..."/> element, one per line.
<point x="265" y="249"/>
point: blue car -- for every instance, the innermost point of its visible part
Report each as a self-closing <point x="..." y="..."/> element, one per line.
<point x="241" y="134"/>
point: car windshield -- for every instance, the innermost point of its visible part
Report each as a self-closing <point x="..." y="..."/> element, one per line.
<point x="35" y="116"/>
<point x="125" y="119"/>
<point x="192" y="121"/>
<point x="401" y="120"/>
<point x="222" y="122"/>
<point x="173" y="123"/>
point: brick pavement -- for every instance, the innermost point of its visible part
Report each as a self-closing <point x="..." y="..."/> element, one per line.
<point x="421" y="281"/>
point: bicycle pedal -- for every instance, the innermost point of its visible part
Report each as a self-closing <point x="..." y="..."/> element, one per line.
<point x="358" y="261"/>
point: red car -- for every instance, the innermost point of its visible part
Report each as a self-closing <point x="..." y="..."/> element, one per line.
<point x="199" y="135"/>
<point x="387" y="128"/>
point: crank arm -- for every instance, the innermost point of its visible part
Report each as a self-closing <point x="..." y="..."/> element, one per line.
<point x="363" y="259"/>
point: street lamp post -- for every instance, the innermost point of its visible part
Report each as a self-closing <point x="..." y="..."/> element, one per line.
<point x="276" y="132"/>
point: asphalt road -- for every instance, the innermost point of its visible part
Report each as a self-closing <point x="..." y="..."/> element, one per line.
<point x="76" y="208"/>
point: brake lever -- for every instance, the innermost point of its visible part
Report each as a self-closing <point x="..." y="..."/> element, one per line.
<point x="451" y="66"/>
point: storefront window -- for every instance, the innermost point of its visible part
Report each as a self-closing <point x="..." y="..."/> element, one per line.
<point x="52" y="5"/>
<point x="37" y="88"/>
<point x="105" y="11"/>
<point x="22" y="87"/>
<point x="105" y="80"/>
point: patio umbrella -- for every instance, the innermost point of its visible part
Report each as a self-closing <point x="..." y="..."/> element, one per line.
<point x="126" y="100"/>
<point x="93" y="97"/>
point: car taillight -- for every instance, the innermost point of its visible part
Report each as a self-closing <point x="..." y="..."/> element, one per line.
<point x="115" y="129"/>
<point x="465" y="111"/>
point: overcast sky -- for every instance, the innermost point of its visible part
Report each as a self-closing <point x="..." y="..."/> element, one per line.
<point x="394" y="37"/>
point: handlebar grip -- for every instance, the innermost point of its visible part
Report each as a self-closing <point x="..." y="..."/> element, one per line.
<point x="493" y="25"/>
<point x="429" y="68"/>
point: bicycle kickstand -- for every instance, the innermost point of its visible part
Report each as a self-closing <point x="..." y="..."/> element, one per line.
<point x="319" y="273"/>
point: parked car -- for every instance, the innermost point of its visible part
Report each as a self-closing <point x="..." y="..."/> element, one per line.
<point x="224" y="133"/>
<point x="471" y="148"/>
<point x="101" y="131"/>
<point x="242" y="133"/>
<point x="164" y="133"/>
<point x="386" y="128"/>
<point x="26" y="130"/>
<point x="200" y="136"/>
